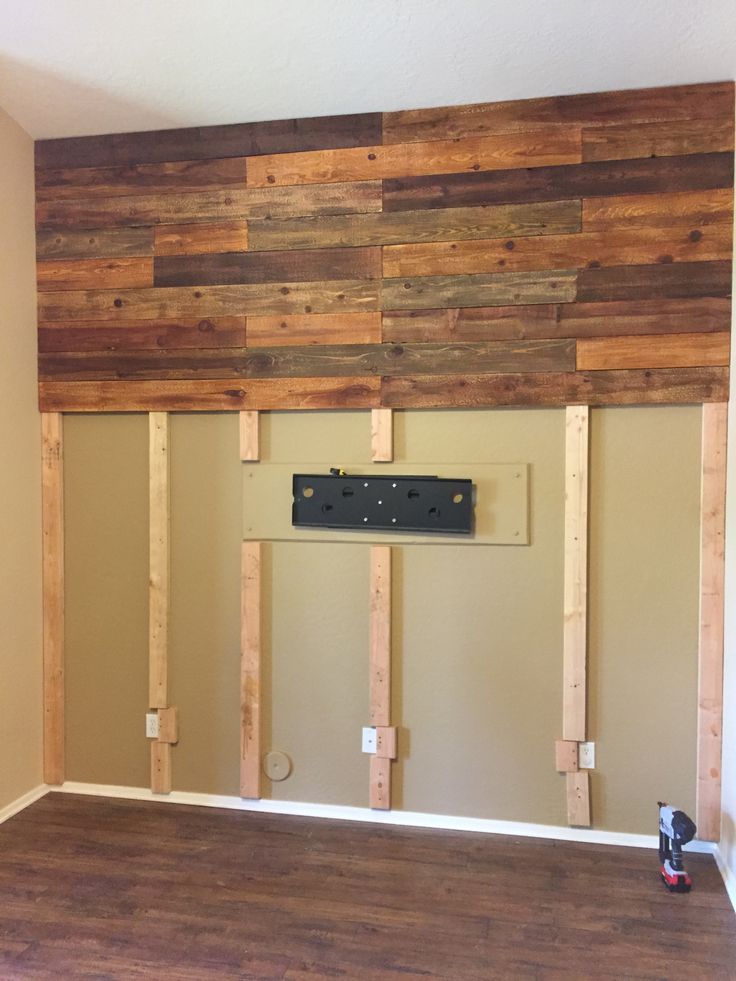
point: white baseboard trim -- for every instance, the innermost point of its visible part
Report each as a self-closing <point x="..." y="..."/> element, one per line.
<point x="729" y="878"/>
<point x="22" y="802"/>
<point x="411" y="819"/>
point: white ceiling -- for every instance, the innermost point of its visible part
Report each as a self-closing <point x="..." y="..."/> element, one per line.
<point x="73" y="67"/>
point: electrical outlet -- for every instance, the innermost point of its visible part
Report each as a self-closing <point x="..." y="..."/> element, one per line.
<point x="586" y="756"/>
<point x="369" y="739"/>
<point x="152" y="725"/>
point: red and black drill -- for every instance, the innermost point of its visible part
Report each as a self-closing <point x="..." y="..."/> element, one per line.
<point x="675" y="830"/>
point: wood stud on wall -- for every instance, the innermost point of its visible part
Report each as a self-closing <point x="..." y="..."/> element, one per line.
<point x="380" y="677"/>
<point x="250" y="669"/>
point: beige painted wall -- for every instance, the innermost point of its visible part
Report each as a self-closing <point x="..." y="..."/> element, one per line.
<point x="477" y="630"/>
<point x="20" y="475"/>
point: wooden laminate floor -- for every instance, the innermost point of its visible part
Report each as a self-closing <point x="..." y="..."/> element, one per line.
<point x="95" y="888"/>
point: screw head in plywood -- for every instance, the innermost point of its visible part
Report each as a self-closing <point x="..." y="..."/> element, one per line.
<point x="276" y="765"/>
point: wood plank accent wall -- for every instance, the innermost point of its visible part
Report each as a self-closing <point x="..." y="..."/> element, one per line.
<point x="556" y="251"/>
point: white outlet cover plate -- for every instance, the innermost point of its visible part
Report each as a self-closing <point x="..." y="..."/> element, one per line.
<point x="152" y="725"/>
<point x="586" y="756"/>
<point x="369" y="739"/>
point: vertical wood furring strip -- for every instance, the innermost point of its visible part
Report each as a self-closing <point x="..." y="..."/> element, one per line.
<point x="52" y="505"/>
<point x="382" y="435"/>
<point x="710" y="647"/>
<point x="250" y="670"/>
<point x="158" y="589"/>
<point x="380" y="668"/>
<point x="250" y="443"/>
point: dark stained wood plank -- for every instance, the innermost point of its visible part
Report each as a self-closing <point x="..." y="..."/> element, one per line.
<point x="546" y="218"/>
<point x="139" y="178"/>
<point x="471" y="324"/>
<point x="215" y="332"/>
<point x="696" y="208"/>
<point x="296" y="266"/>
<point x="200" y="238"/>
<point x="314" y="328"/>
<point x="310" y="361"/>
<point x="209" y="206"/>
<point x="500" y="289"/>
<point x="658" y="139"/>
<point x="105" y="274"/>
<point x="630" y="387"/>
<point x="112" y="243"/>
<point x="210" y="395"/>
<point x="651" y="105"/>
<point x="670" y="280"/>
<point x="690" y="172"/>
<point x="534" y="149"/>
<point x="350" y="296"/>
<point x="653" y="351"/>
<point x="615" y="247"/>
<point x="658" y="316"/>
<point x="207" y="142"/>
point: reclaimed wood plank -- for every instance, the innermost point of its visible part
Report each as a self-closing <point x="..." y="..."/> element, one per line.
<point x="653" y="351"/>
<point x="696" y="208"/>
<point x="626" y="387"/>
<point x="200" y="238"/>
<point x="207" y="142"/>
<point x="314" y="328"/>
<point x="502" y="289"/>
<point x="250" y="669"/>
<point x="214" y="395"/>
<point x="382" y="435"/>
<point x="575" y="576"/>
<point x="296" y="266"/>
<point x="527" y="149"/>
<point x="658" y="316"/>
<point x="671" y="138"/>
<point x="710" y="646"/>
<point x="650" y="105"/>
<point x="315" y="232"/>
<point x="350" y="296"/>
<point x="132" y="335"/>
<point x="209" y="206"/>
<point x="250" y="435"/>
<point x="471" y="324"/>
<point x="615" y="247"/>
<point x="669" y="280"/>
<point x="578" y="798"/>
<point x="692" y="172"/>
<point x="104" y="274"/>
<point x="139" y="178"/>
<point x="113" y="243"/>
<point x="52" y="524"/>
<point x="159" y="562"/>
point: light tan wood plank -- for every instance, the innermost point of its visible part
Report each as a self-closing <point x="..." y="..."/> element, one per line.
<point x="566" y="756"/>
<point x="250" y="433"/>
<point x="380" y="636"/>
<point x="88" y="274"/>
<point x="380" y="783"/>
<point x="653" y="351"/>
<point x="382" y="435"/>
<point x="575" y="573"/>
<point x="386" y="742"/>
<point x="658" y="210"/>
<point x="578" y="798"/>
<point x="250" y="670"/>
<point x="160" y="767"/>
<point x="168" y="725"/>
<point x="159" y="572"/>
<point x="52" y="503"/>
<point x="710" y="648"/>
<point x="314" y="328"/>
<point x="200" y="238"/>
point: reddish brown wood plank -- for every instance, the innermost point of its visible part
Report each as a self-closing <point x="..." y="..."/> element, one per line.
<point x="532" y="149"/>
<point x="593" y="109"/>
<point x="653" y="351"/>
<point x="207" y="142"/>
<point x="596" y="178"/>
<point x="209" y="206"/>
<point x="206" y="395"/>
<point x="105" y="274"/>
<point x="618" y="246"/>
<point x="658" y="316"/>
<point x="295" y="266"/>
<point x="671" y="280"/>
<point x="658" y="210"/>
<point x="314" y="328"/>
<point x="500" y="289"/>
<point x="630" y="387"/>
<point x="200" y="238"/>
<point x="215" y="332"/>
<point x="112" y="243"/>
<point x="139" y="178"/>
<point x="671" y="138"/>
<point x="209" y="301"/>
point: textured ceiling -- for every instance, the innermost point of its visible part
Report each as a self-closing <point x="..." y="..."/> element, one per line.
<point x="74" y="67"/>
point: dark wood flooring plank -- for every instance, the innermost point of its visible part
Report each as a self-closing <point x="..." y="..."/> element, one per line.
<point x="215" y="332"/>
<point x="667" y="280"/>
<point x="104" y="274"/>
<point x="295" y="266"/>
<point x="501" y="289"/>
<point x="314" y="328"/>
<point x="692" y="172"/>
<point x="671" y="138"/>
<point x="113" y="243"/>
<point x="207" y="142"/>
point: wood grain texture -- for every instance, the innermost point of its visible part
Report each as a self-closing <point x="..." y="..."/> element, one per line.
<point x="160" y="767"/>
<point x="297" y="266"/>
<point x="671" y="138"/>
<point x="159" y="564"/>
<point x="657" y="316"/>
<point x="135" y="335"/>
<point x="204" y="143"/>
<point x="652" y="105"/>
<point x="696" y="208"/>
<point x="696" y="172"/>
<point x="382" y="435"/>
<point x="502" y="289"/>
<point x="380" y="635"/>
<point x="168" y="725"/>
<point x="566" y="756"/>
<point x="211" y="395"/>
<point x="532" y="149"/>
<point x="250" y="669"/>
<point x="546" y="218"/>
<point x="471" y="324"/>
<point x="578" y="798"/>
<point x="575" y="578"/>
<point x="103" y="274"/>
<point x="653" y="351"/>
<point x="380" y="784"/>
<point x="111" y="243"/>
<point x="250" y="435"/>
<point x="668" y="280"/>
<point x="52" y="526"/>
<point x="315" y="328"/>
<point x="200" y="238"/>
<point x="209" y="206"/>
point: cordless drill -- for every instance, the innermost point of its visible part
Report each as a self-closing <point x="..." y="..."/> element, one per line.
<point x="675" y="830"/>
